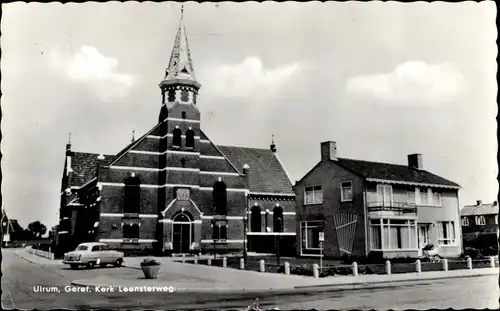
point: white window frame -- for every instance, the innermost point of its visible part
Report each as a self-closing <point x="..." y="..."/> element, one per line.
<point x="342" y="187"/>
<point x="382" y="199"/>
<point x="480" y="220"/>
<point x="313" y="195"/>
<point x="440" y="203"/>
<point x="385" y="224"/>
<point x="414" y="192"/>
<point x="465" y="221"/>
<point x="450" y="225"/>
<point x="304" y="225"/>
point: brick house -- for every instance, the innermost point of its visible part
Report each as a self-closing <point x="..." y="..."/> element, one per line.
<point x="480" y="225"/>
<point x="173" y="189"/>
<point x="367" y="207"/>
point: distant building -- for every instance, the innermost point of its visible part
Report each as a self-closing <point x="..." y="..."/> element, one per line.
<point x="480" y="221"/>
<point x="173" y="189"/>
<point x="11" y="230"/>
<point x="367" y="207"/>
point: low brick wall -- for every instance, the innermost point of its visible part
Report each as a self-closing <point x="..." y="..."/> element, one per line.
<point x="40" y="253"/>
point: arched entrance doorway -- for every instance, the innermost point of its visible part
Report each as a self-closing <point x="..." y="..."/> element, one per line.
<point x="182" y="233"/>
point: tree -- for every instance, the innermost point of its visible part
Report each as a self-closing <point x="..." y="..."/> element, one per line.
<point x="37" y="229"/>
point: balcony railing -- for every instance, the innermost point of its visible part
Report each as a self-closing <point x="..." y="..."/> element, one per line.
<point x="397" y="207"/>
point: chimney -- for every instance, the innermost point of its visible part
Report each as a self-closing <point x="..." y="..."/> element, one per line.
<point x="273" y="145"/>
<point x="415" y="161"/>
<point x="328" y="151"/>
<point x="245" y="169"/>
<point x="479" y="202"/>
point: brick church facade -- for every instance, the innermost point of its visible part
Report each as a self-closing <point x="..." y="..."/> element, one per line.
<point x="173" y="190"/>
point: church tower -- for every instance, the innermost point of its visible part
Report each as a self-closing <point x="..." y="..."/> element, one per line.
<point x="179" y="146"/>
<point x="179" y="84"/>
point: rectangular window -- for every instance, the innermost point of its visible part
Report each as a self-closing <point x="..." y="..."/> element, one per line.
<point x="436" y="199"/>
<point x="219" y="232"/>
<point x="384" y="195"/>
<point x="310" y="236"/>
<point x="480" y="220"/>
<point x="446" y="233"/>
<point x="411" y="197"/>
<point x="376" y="234"/>
<point x="465" y="221"/>
<point x="130" y="231"/>
<point x="496" y="220"/>
<point x="346" y="191"/>
<point x="313" y="195"/>
<point x="424" y="197"/>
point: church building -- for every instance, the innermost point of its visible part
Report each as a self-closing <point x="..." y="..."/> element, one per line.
<point x="173" y="190"/>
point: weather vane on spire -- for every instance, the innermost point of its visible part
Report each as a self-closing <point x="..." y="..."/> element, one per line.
<point x="133" y="135"/>
<point x="182" y="11"/>
<point x="69" y="138"/>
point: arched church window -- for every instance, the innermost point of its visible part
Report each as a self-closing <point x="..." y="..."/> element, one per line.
<point x="184" y="95"/>
<point x="219" y="198"/>
<point x="177" y="138"/>
<point x="171" y="95"/>
<point x="194" y="98"/>
<point x="255" y="219"/>
<point x="183" y="114"/>
<point x="132" y="195"/>
<point x="278" y="219"/>
<point x="190" y="139"/>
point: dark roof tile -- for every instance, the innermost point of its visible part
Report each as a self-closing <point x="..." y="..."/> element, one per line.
<point x="395" y="172"/>
<point x="84" y="166"/>
<point x="266" y="172"/>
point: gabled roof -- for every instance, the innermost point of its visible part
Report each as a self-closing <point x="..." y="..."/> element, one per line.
<point x="392" y="172"/>
<point x="84" y="166"/>
<point x="483" y="209"/>
<point x="124" y="151"/>
<point x="266" y="172"/>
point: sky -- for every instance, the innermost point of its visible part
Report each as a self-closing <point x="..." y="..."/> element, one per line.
<point x="382" y="79"/>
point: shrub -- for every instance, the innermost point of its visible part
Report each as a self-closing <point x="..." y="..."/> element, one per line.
<point x="473" y="253"/>
<point x="149" y="262"/>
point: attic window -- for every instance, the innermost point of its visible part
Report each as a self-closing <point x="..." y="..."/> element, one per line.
<point x="184" y="70"/>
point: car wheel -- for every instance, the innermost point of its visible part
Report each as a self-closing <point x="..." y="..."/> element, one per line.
<point x="118" y="263"/>
<point x="90" y="265"/>
<point x="74" y="266"/>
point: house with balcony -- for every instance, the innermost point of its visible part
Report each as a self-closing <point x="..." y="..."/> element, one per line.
<point x="480" y="226"/>
<point x="364" y="207"/>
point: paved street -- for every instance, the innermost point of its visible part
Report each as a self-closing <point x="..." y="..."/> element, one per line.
<point x="20" y="277"/>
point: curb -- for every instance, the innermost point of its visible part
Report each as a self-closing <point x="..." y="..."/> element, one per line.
<point x="296" y="290"/>
<point x="367" y="285"/>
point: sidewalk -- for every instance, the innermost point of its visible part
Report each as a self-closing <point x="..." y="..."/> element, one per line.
<point x="23" y="253"/>
<point x="201" y="278"/>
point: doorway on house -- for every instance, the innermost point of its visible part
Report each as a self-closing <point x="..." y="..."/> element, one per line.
<point x="423" y="236"/>
<point x="182" y="233"/>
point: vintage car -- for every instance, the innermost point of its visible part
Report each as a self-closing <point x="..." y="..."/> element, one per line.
<point x="93" y="254"/>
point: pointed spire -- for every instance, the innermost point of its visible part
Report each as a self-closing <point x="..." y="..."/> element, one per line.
<point x="180" y="67"/>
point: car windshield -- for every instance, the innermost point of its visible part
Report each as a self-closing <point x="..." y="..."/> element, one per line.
<point x="104" y="248"/>
<point x="82" y="248"/>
